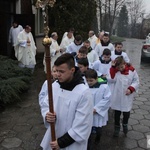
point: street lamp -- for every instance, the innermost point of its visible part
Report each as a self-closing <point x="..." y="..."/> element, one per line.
<point x="44" y="4"/>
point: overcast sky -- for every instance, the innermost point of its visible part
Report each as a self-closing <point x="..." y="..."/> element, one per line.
<point x="147" y="5"/>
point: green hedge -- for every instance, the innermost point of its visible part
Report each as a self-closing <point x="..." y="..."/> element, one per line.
<point x="13" y="80"/>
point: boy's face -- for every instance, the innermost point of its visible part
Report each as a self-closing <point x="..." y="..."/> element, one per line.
<point x="54" y="73"/>
<point x="78" y="42"/>
<point x="106" y="57"/>
<point x="81" y="55"/>
<point x="82" y="68"/>
<point x="87" y="45"/>
<point x="64" y="73"/>
<point x="121" y="67"/>
<point x="118" y="48"/>
<point x="91" y="81"/>
<point x="105" y="39"/>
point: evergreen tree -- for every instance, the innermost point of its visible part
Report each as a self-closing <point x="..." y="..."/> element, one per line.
<point x="123" y="22"/>
<point x="78" y="14"/>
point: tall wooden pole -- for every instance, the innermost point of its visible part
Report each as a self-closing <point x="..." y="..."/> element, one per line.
<point x="47" y="42"/>
<point x="50" y="92"/>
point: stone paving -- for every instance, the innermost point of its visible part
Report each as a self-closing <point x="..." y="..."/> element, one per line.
<point x="22" y="128"/>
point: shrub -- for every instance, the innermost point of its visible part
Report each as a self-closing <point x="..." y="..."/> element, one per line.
<point x="115" y="39"/>
<point x="13" y="80"/>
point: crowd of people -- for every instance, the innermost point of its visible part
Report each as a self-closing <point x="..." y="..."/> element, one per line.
<point x="89" y="78"/>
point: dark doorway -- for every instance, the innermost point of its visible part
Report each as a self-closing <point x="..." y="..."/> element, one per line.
<point x="7" y="8"/>
<point x="5" y="24"/>
<point x="26" y="19"/>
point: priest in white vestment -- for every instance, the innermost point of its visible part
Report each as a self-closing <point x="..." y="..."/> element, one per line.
<point x="13" y="34"/>
<point x="66" y="41"/>
<point x="93" y="39"/>
<point x="71" y="30"/>
<point x="25" y="49"/>
<point x="54" y="50"/>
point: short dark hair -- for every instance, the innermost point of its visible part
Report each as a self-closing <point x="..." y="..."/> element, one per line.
<point x="106" y="34"/>
<point x="78" y="38"/>
<point x="65" y="58"/>
<point x="83" y="61"/>
<point x="71" y="30"/>
<point x="91" y="73"/>
<point x="83" y="50"/>
<point x="27" y="27"/>
<point x="106" y="52"/>
<point x="86" y="41"/>
<point x="118" y="43"/>
<point x="15" y="21"/>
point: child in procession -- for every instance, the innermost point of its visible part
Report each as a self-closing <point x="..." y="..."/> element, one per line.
<point x="83" y="65"/>
<point x="82" y="53"/>
<point x="72" y="105"/>
<point x="101" y="103"/>
<point x="119" y="52"/>
<point x="54" y="74"/>
<point x="103" y="65"/>
<point x="125" y="83"/>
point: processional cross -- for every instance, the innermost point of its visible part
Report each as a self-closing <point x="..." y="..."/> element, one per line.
<point x="44" y="4"/>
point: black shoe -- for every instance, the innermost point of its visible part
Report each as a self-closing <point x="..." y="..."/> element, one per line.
<point x="116" y="132"/>
<point x="125" y="129"/>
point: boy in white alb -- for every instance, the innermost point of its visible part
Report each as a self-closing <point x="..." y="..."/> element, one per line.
<point x="83" y="65"/>
<point x="91" y="55"/>
<point x="103" y="65"/>
<point x="125" y="82"/>
<point x="82" y="53"/>
<point x="101" y="95"/>
<point x="118" y="52"/>
<point x="105" y="43"/>
<point x="74" y="46"/>
<point x="72" y="106"/>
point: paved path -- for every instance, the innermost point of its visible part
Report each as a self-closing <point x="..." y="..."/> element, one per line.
<point x="21" y="125"/>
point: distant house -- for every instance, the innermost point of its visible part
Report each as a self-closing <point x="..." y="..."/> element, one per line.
<point x="19" y="10"/>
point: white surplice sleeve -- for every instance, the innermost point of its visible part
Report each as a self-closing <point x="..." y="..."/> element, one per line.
<point x="103" y="96"/>
<point x="82" y="123"/>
